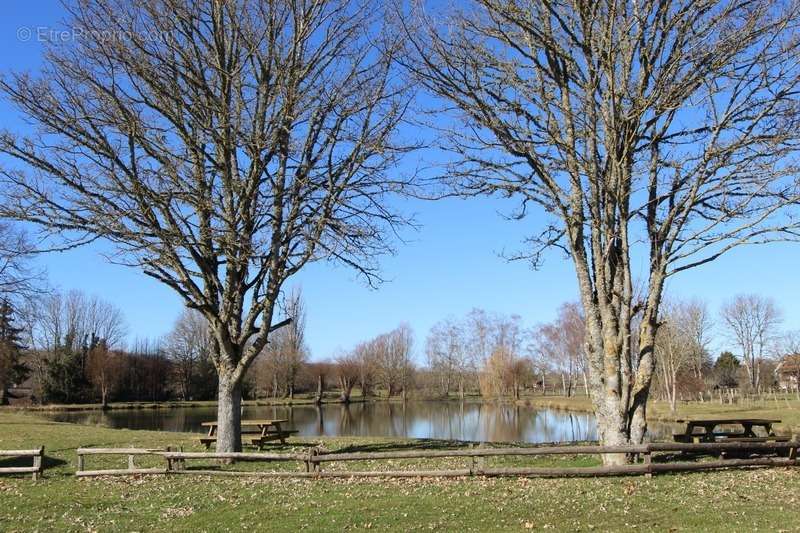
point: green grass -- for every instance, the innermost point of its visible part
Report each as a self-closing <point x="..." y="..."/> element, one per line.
<point x="742" y="499"/>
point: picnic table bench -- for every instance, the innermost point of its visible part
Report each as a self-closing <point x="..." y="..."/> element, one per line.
<point x="263" y="431"/>
<point x="705" y="430"/>
<point x="712" y="430"/>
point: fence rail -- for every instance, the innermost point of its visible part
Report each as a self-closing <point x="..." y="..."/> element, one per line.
<point x="728" y="453"/>
<point x="36" y="469"/>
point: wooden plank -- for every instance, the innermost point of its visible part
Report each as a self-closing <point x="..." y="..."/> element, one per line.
<point x="244" y="456"/>
<point x="20" y="453"/>
<point x="481" y="452"/>
<point x="731" y="421"/>
<point x="19" y="469"/>
<point x="578" y="471"/>
<point x="120" y="451"/>
<point x="719" y="446"/>
<point x="239" y="473"/>
<point x="121" y="472"/>
<point x="265" y="422"/>
<point x="726" y="463"/>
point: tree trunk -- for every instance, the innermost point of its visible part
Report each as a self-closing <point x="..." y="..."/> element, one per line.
<point x="318" y="399"/>
<point x="229" y="414"/>
<point x="673" y="399"/>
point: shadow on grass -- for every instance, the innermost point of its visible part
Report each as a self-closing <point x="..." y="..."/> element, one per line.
<point x="417" y="444"/>
<point x="440" y="444"/>
<point x="48" y="461"/>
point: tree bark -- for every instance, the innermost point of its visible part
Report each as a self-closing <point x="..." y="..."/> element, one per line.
<point x="229" y="414"/>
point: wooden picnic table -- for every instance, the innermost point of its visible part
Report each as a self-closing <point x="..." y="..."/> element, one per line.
<point x="264" y="429"/>
<point x="710" y="433"/>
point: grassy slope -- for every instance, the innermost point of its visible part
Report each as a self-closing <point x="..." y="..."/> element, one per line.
<point x="764" y="499"/>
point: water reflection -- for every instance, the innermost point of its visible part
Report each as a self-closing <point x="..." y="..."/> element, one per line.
<point x="440" y="420"/>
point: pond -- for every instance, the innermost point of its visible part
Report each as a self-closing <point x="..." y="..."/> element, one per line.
<point x="471" y="421"/>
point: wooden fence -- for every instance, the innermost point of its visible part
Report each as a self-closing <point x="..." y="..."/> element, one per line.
<point x="35" y="470"/>
<point x="131" y="453"/>
<point x="783" y="454"/>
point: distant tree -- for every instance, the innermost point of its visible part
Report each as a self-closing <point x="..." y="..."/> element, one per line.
<point x="147" y="372"/>
<point x="347" y="370"/>
<point x="64" y="329"/>
<point x="680" y="344"/>
<point x="189" y="346"/>
<point x="448" y="356"/>
<point x="13" y="369"/>
<point x="393" y="361"/>
<point x="65" y="377"/>
<point x="752" y="322"/>
<point x="366" y="357"/>
<point x="105" y="370"/>
<point x="726" y="368"/>
<point x="561" y="345"/>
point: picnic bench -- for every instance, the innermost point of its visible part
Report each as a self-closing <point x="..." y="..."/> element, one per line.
<point x="706" y="430"/>
<point x="259" y="432"/>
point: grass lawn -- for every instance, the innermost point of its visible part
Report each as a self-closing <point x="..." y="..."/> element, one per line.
<point x="743" y="499"/>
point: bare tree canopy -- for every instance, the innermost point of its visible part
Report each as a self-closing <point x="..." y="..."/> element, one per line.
<point x="752" y="322"/>
<point x="664" y="129"/>
<point x="561" y="345"/>
<point x="220" y="146"/>
<point x="681" y="344"/>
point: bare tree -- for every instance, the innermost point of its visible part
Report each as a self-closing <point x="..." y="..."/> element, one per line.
<point x="681" y="342"/>
<point x="752" y="322"/>
<point x="664" y="129"/>
<point x="347" y="372"/>
<point x="561" y="345"/>
<point x="104" y="369"/>
<point x="80" y="318"/>
<point x="504" y="373"/>
<point x="220" y="146"/>
<point x="287" y="351"/>
<point x="697" y="326"/>
<point x="448" y="356"/>
<point x="393" y="360"/>
<point x="188" y="345"/>
<point x="366" y="357"/>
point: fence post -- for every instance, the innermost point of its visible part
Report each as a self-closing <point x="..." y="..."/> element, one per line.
<point x="37" y="463"/>
<point x="481" y="460"/>
<point x="648" y="460"/>
<point x="131" y="462"/>
<point x="474" y="461"/>
<point x="309" y="463"/>
<point x="80" y="462"/>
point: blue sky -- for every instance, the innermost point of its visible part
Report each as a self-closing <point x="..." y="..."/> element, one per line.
<point x="449" y="266"/>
